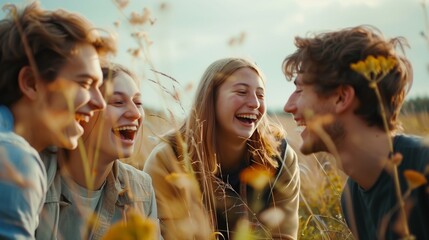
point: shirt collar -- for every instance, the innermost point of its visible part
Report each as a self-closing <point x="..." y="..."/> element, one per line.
<point x="6" y="119"/>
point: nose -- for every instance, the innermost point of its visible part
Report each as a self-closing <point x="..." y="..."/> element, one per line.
<point x="253" y="101"/>
<point x="134" y="112"/>
<point x="290" y="106"/>
<point x="97" y="101"/>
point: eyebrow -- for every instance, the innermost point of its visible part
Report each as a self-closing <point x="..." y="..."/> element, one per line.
<point x="86" y="75"/>
<point x="247" y="85"/>
<point x="98" y="80"/>
<point x="138" y="94"/>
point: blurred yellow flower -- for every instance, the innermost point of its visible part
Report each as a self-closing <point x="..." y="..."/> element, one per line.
<point x="135" y="227"/>
<point x="374" y="68"/>
<point x="415" y="179"/>
<point x="256" y="176"/>
<point x="272" y="217"/>
<point x="243" y="231"/>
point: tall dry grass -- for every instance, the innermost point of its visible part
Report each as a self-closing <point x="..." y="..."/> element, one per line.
<point x="321" y="181"/>
<point x="320" y="214"/>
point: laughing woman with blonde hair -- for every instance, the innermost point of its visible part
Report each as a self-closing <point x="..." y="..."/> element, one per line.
<point x="226" y="138"/>
<point x="90" y="189"/>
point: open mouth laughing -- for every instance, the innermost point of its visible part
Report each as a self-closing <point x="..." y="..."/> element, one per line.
<point x="126" y="132"/>
<point x="301" y="126"/>
<point x="247" y="118"/>
<point x="80" y="117"/>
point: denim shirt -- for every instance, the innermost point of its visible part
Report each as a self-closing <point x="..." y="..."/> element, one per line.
<point x="22" y="182"/>
<point x="122" y="182"/>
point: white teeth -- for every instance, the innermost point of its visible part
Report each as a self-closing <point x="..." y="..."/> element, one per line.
<point x="249" y="116"/>
<point x="124" y="128"/>
<point x="300" y="128"/>
<point x="81" y="117"/>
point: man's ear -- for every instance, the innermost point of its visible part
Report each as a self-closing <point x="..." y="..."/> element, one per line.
<point x="27" y="82"/>
<point x="345" y="98"/>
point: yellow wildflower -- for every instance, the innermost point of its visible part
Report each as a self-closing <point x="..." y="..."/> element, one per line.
<point x="386" y="64"/>
<point x="134" y="228"/>
<point x="256" y="176"/>
<point x="360" y="67"/>
<point x="243" y="231"/>
<point x="373" y="65"/>
<point x="373" y="68"/>
<point x="415" y="179"/>
<point x="272" y="217"/>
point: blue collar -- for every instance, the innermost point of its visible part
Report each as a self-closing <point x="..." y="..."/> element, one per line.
<point x="6" y="119"/>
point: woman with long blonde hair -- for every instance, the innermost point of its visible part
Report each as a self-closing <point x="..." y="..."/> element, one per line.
<point x="226" y="140"/>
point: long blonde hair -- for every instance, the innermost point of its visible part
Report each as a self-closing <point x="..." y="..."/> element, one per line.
<point x="196" y="139"/>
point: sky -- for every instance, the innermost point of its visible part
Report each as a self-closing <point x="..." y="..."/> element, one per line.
<point x="188" y="35"/>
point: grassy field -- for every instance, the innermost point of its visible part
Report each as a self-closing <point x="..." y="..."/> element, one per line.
<point x="321" y="182"/>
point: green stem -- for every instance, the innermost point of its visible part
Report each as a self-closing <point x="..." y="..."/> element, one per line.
<point x="395" y="167"/>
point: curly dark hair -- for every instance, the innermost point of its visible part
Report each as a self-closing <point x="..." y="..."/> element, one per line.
<point x="325" y="59"/>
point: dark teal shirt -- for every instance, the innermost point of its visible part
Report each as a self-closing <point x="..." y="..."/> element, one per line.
<point x="376" y="210"/>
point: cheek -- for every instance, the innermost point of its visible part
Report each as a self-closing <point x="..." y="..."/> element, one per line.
<point x="142" y="114"/>
<point x="262" y="106"/>
<point x="114" y="115"/>
<point x="82" y="96"/>
<point x="234" y="102"/>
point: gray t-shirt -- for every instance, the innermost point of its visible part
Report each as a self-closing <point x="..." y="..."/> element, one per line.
<point x="375" y="210"/>
<point x="73" y="218"/>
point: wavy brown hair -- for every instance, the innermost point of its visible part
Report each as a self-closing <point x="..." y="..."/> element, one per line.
<point x="43" y="40"/>
<point x="325" y="59"/>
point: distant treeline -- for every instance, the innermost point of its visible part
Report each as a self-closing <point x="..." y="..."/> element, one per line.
<point x="416" y="105"/>
<point x="413" y="105"/>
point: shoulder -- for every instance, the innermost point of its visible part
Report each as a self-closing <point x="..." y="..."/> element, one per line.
<point x="161" y="157"/>
<point x="139" y="182"/>
<point x="17" y="155"/>
<point x="288" y="170"/>
<point x="414" y="150"/>
<point x="23" y="179"/>
<point x="289" y="158"/>
<point x="132" y="172"/>
<point x="161" y="148"/>
<point x="410" y="141"/>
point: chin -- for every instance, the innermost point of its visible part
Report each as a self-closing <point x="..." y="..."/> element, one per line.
<point x="69" y="144"/>
<point x="123" y="153"/>
<point x="247" y="134"/>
